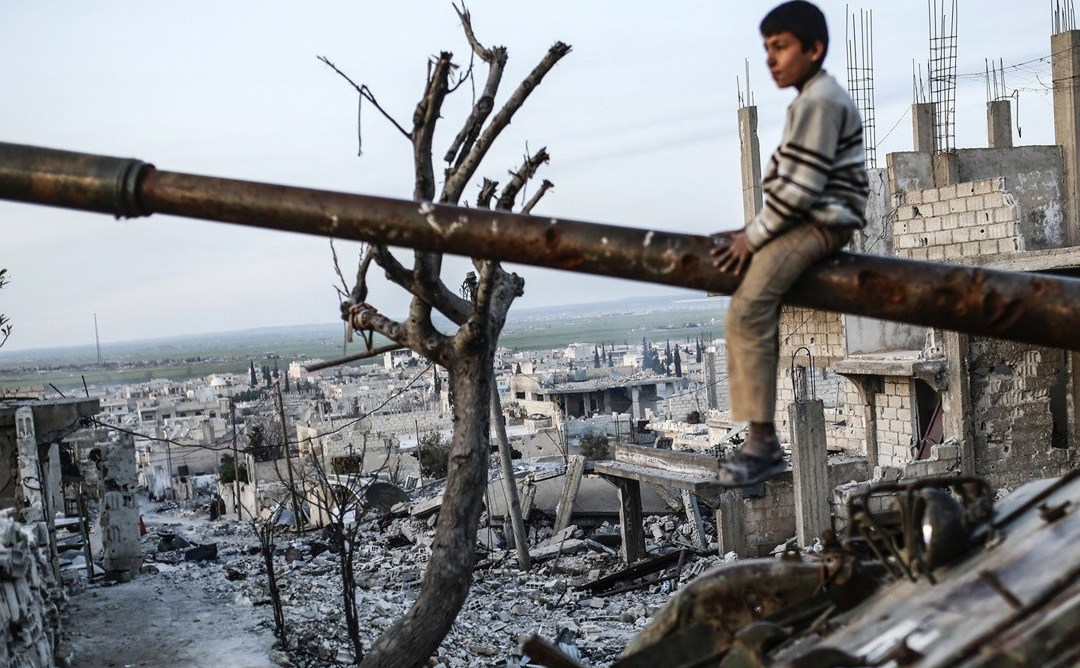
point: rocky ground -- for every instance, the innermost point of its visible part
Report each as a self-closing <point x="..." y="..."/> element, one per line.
<point x="216" y="611"/>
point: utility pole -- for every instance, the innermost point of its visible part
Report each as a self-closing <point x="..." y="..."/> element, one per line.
<point x="420" y="469"/>
<point x="236" y="460"/>
<point x="288" y="459"/>
<point x="521" y="543"/>
<point x="168" y="456"/>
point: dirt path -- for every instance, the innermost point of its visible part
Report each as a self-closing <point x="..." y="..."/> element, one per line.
<point x="176" y="617"/>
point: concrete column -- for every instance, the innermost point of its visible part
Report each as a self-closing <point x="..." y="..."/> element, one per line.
<point x="946" y="169"/>
<point x="869" y="387"/>
<point x="999" y="124"/>
<point x="631" y="523"/>
<point x="809" y="469"/>
<point x="120" y="509"/>
<point x="1065" y="65"/>
<point x="709" y="360"/>
<point x="956" y="400"/>
<point x="922" y="126"/>
<point x="750" y="160"/>
<point x="635" y="398"/>
<point x="693" y="516"/>
<point x="31" y="476"/>
<point x="730" y="534"/>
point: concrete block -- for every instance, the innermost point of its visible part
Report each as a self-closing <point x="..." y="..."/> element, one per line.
<point x="945" y="451"/>
<point x="957" y="204"/>
<point x="983" y="186"/>
<point x="913" y="197"/>
<point x="1004" y="214"/>
<point x="988" y="247"/>
<point x="930" y="196"/>
<point x="916" y="226"/>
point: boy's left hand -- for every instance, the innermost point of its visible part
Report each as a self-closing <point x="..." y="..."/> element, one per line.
<point x="732" y="252"/>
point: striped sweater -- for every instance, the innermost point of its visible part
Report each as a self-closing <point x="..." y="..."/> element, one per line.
<point x="818" y="172"/>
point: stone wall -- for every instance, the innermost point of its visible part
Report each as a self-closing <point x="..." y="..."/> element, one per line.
<point x="396" y="423"/>
<point x="959" y="223"/>
<point x="30" y="597"/>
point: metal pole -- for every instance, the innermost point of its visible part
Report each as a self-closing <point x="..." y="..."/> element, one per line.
<point x="236" y="461"/>
<point x="521" y="543"/>
<point x="288" y="459"/>
<point x="1038" y="309"/>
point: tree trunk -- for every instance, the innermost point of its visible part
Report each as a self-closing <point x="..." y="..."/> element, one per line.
<point x="417" y="635"/>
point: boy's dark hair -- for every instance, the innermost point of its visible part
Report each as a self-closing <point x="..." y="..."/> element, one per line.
<point x="800" y="18"/>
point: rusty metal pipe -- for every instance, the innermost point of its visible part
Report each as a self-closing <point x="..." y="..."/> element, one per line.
<point x="1032" y="308"/>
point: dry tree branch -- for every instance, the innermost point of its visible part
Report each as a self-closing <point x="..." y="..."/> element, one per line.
<point x="455" y="182"/>
<point x="545" y="186"/>
<point x="337" y="269"/>
<point x="495" y="57"/>
<point x="366" y="93"/>
<point x="519" y="178"/>
<point x="360" y="288"/>
<point x="487" y="55"/>
<point x="487" y="192"/>
<point x="424" y="119"/>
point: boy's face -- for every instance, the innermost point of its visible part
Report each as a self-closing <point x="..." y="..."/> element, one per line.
<point x="789" y="63"/>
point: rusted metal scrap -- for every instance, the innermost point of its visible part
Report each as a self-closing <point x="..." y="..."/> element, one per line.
<point x="1033" y="308"/>
<point x="701" y="623"/>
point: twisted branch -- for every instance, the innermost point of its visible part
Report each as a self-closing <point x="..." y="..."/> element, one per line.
<point x="465" y="168"/>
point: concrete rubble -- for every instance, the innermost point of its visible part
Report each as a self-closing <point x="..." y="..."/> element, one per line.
<point x="505" y="605"/>
<point x="30" y="597"/>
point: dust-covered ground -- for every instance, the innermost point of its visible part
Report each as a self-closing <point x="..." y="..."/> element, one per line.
<point x="169" y="615"/>
<point x="217" y="612"/>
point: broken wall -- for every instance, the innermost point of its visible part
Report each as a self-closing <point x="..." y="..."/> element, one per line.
<point x="396" y="423"/>
<point x="9" y="461"/>
<point x="30" y="597"/>
<point x="1033" y="175"/>
<point x="960" y="223"/>
<point x="1013" y="386"/>
<point x="822" y="332"/>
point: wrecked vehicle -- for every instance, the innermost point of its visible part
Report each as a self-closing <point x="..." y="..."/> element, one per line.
<point x="931" y="573"/>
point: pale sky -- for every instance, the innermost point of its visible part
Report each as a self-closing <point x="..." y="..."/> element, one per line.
<point x="639" y="120"/>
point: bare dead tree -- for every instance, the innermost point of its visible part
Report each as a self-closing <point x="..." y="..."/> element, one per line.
<point x="5" y="324"/>
<point x="265" y="530"/>
<point x="340" y="496"/>
<point x="468" y="353"/>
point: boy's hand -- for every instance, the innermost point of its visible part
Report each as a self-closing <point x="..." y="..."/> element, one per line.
<point x="731" y="252"/>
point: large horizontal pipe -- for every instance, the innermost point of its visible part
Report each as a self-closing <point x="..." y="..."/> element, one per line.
<point x="1032" y="308"/>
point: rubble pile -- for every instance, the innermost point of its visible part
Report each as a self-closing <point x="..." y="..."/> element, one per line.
<point x="30" y="597"/>
<point x="556" y="598"/>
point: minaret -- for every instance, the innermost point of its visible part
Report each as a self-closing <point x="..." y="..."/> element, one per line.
<point x="749" y="151"/>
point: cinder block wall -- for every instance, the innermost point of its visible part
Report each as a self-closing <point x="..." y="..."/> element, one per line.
<point x="823" y="333"/>
<point x="770" y="519"/>
<point x="959" y="223"/>
<point x="894" y="422"/>
<point x="1011" y="389"/>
